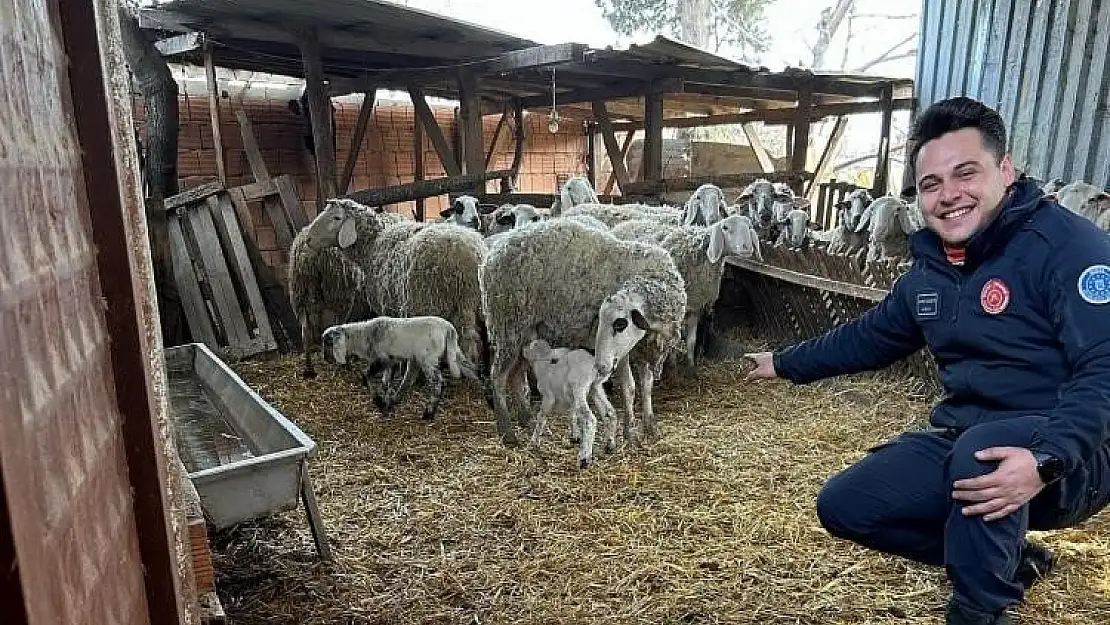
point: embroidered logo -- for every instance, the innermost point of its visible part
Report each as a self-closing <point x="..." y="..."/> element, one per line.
<point x="928" y="304"/>
<point x="995" y="296"/>
<point x="1094" y="284"/>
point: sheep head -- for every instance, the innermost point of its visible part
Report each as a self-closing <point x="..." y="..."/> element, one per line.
<point x="854" y="210"/>
<point x="732" y="236"/>
<point x="463" y="211"/>
<point x="333" y="344"/>
<point x="1084" y="199"/>
<point x="536" y="349"/>
<point x="342" y="223"/>
<point x="705" y="206"/>
<point x="575" y="191"/>
<point x="798" y="226"/>
<point x="642" y="307"/>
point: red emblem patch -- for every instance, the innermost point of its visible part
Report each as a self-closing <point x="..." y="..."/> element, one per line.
<point x="995" y="296"/>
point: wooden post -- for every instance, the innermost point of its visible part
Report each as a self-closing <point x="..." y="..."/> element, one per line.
<point x="801" y="134"/>
<point x="825" y="162"/>
<point x="652" y="158"/>
<point x="319" y="107"/>
<point x="365" y="113"/>
<point x="601" y="116"/>
<point x="519" y="136"/>
<point x="214" y="111"/>
<point x="418" y="164"/>
<point x="624" y="154"/>
<point x="496" y="136"/>
<point x="882" y="159"/>
<point x="761" y="154"/>
<point x="427" y="118"/>
<point x="470" y="117"/>
<point x="591" y="155"/>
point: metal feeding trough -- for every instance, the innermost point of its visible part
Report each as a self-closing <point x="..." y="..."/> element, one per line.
<point x="245" y="458"/>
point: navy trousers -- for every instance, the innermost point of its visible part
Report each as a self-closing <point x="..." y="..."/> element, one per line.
<point x="897" y="500"/>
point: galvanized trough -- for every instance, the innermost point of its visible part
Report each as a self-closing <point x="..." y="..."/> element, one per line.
<point x="245" y="458"/>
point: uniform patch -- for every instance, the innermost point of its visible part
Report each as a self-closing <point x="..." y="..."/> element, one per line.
<point x="928" y="304"/>
<point x="995" y="296"/>
<point x="1094" y="284"/>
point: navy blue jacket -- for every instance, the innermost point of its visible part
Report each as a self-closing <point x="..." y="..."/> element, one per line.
<point x="1046" y="352"/>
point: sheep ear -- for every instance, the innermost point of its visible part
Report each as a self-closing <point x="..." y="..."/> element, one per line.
<point x="801" y="203"/>
<point x="485" y="209"/>
<point x="347" y="233"/>
<point x="755" y="244"/>
<point x="864" y="220"/>
<point x="691" y="211"/>
<point x="716" y="244"/>
<point x="640" y="321"/>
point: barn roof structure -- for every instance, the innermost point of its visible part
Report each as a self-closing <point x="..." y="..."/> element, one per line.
<point x="351" y="46"/>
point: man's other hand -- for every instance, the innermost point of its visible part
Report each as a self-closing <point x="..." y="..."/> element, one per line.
<point x="764" y="366"/>
<point x="1010" y="486"/>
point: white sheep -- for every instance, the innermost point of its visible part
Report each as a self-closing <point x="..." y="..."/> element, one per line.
<point x="568" y="382"/>
<point x="699" y="253"/>
<point x="1086" y="200"/>
<point x="891" y="226"/>
<point x="1052" y="186"/>
<point x="418" y="342"/>
<point x="612" y="214"/>
<point x="799" y="230"/>
<point x="411" y="269"/>
<point x="576" y="190"/>
<point x="465" y="211"/>
<point x="579" y="287"/>
<point x="758" y="201"/>
<point x="705" y="206"/>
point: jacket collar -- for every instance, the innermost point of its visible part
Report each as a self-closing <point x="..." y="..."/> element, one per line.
<point x="1022" y="199"/>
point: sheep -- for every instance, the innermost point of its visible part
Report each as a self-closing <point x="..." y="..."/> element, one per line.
<point x="578" y="287"/>
<point x="411" y="268"/>
<point x="465" y="211"/>
<point x="706" y="206"/>
<point x="1087" y="200"/>
<point x="424" y="342"/>
<point x="798" y="231"/>
<point x="758" y="201"/>
<point x="1052" y="186"/>
<point x="698" y="253"/>
<point x="612" y="214"/>
<point x="576" y="190"/>
<point x="568" y="380"/>
<point x="891" y="226"/>
<point x="851" y="234"/>
<point x="321" y="280"/>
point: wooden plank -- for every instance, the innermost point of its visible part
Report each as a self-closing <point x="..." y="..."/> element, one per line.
<point x="824" y="163"/>
<point x="257" y="190"/>
<point x="496" y="136"/>
<point x="427" y="188"/>
<point x="428" y="120"/>
<point x="219" y="280"/>
<point x="616" y="160"/>
<point x="214" y="112"/>
<point x="319" y="106"/>
<point x="312" y="513"/>
<point x="203" y="573"/>
<point x="813" y="282"/>
<point x="625" y="89"/>
<point x="473" y="136"/>
<point x="624" y="155"/>
<point x="184" y="274"/>
<point x="761" y="155"/>
<point x="882" y="159"/>
<point x="297" y="218"/>
<point x="365" y="113"/>
<point x="722" y="180"/>
<point x="591" y="154"/>
<point x="799" y="153"/>
<point x="179" y="44"/>
<point x="283" y="231"/>
<point x="231" y="237"/>
<point x="250" y="146"/>
<point x="782" y="115"/>
<point x="652" y="158"/>
<point x="519" y="135"/>
<point x="190" y="196"/>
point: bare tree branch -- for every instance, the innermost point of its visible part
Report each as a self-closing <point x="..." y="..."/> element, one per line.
<point x="886" y="59"/>
<point x="881" y="16"/>
<point x="827" y="27"/>
<point x="887" y="56"/>
<point x="864" y="159"/>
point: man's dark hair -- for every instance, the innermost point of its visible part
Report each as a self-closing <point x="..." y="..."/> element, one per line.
<point x="956" y="114"/>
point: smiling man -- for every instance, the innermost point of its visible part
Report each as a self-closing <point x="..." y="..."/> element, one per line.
<point x="1011" y="293"/>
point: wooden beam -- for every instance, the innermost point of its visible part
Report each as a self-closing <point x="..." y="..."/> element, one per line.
<point x="496" y="136"/>
<point x="652" y="157"/>
<point x="624" y="155"/>
<point x="319" y="107"/>
<point x="814" y="282"/>
<point x="214" y="112"/>
<point x="473" y="135"/>
<point x="189" y="196"/>
<point x="882" y="160"/>
<point x="365" y="113"/>
<point x="427" y="188"/>
<point x="788" y="114"/>
<point x="761" y="155"/>
<point x="435" y="133"/>
<point x="722" y="180"/>
<point x="627" y="89"/>
<point x="825" y="162"/>
<point x="520" y="132"/>
<point x="418" y="165"/>
<point x="801" y="134"/>
<point x="179" y="44"/>
<point x="601" y="116"/>
<point x="591" y="154"/>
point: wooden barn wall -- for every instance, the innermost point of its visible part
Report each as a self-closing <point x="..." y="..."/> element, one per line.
<point x="1043" y="65"/>
<point x="78" y="450"/>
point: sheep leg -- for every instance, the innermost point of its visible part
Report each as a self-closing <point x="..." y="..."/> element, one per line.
<point x="691" y="323"/>
<point x="500" y="371"/>
<point x="608" y="413"/>
<point x="575" y="429"/>
<point x="628" y="389"/>
<point x="540" y="424"/>
<point x="518" y="382"/>
<point x="407" y="380"/>
<point x="309" y="339"/>
<point x="589" y="430"/>
<point x="434" y="380"/>
<point x="647" y="380"/>
<point x="381" y="396"/>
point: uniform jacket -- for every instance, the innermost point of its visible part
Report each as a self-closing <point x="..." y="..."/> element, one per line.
<point x="1023" y="327"/>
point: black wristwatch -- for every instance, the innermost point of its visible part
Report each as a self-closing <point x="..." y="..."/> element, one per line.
<point x="1049" y="467"/>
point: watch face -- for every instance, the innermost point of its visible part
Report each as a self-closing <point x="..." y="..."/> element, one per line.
<point x="1050" y="469"/>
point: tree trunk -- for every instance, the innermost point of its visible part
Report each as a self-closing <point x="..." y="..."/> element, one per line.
<point x="694" y="19"/>
<point x="159" y="90"/>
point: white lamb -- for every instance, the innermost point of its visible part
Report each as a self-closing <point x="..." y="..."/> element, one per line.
<point x="418" y="342"/>
<point x="577" y="190"/>
<point x="568" y="381"/>
<point x="1087" y="200"/>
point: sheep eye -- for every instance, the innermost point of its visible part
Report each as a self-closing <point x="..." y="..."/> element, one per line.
<point x="620" y="324"/>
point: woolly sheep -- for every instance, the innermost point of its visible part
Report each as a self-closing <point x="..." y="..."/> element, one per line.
<point x="706" y="206"/>
<point x="798" y="231"/>
<point x="612" y="214"/>
<point x="566" y="283"/>
<point x="568" y="381"/>
<point x="382" y="342"/>
<point x="576" y="190"/>
<point x="698" y="253"/>
<point x="757" y="201"/>
<point x="891" y="226"/>
<point x="1087" y="200"/>
<point x="411" y="269"/>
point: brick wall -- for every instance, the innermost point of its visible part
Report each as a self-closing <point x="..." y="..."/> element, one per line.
<point x="386" y="157"/>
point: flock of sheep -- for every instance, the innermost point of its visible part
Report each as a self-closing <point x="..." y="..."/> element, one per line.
<point x="561" y="300"/>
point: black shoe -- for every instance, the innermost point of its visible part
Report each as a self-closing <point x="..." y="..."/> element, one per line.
<point x="1036" y="563"/>
<point x="959" y="614"/>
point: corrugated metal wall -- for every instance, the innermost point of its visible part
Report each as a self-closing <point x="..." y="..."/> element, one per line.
<point x="1042" y="64"/>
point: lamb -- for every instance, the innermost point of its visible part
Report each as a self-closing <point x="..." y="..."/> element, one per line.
<point x="798" y="231"/>
<point x="699" y="254"/>
<point x="850" y="237"/>
<point x="758" y="201"/>
<point x="568" y="380"/>
<point x="579" y="287"/>
<point x="465" y="211"/>
<point x="382" y="342"/>
<point x="891" y="227"/>
<point x="706" y="206"/>
<point x="576" y="190"/>
<point x="1087" y="200"/>
<point x="410" y="268"/>
<point x="612" y="214"/>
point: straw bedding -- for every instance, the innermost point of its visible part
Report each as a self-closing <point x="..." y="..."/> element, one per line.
<point x="439" y="523"/>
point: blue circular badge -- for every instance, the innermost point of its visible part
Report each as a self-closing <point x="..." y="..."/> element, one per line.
<point x="1094" y="284"/>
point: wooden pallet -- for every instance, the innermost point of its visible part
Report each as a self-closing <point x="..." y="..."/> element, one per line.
<point x="214" y="275"/>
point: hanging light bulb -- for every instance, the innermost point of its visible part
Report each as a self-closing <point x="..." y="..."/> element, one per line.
<point x="553" y="119"/>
